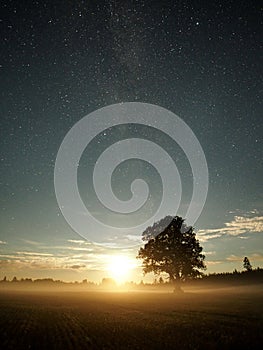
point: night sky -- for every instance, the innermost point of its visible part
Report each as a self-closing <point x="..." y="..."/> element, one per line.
<point x="61" y="60"/>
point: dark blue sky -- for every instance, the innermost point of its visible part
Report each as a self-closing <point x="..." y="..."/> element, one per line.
<point x="63" y="60"/>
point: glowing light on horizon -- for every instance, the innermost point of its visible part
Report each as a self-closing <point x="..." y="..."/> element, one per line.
<point x="120" y="267"/>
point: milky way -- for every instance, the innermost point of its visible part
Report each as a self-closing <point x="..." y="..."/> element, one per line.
<point x="63" y="60"/>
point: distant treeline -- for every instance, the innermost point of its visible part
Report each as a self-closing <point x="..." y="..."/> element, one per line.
<point x="45" y="281"/>
<point x="235" y="277"/>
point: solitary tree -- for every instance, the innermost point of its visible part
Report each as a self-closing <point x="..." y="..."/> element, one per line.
<point x="246" y="264"/>
<point x="175" y="251"/>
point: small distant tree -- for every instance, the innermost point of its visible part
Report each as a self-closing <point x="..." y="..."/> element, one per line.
<point x="246" y="264"/>
<point x="175" y="251"/>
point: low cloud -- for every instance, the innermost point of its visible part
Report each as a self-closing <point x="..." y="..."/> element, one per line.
<point x="233" y="257"/>
<point x="80" y="249"/>
<point x="46" y="261"/>
<point x="240" y="225"/>
<point x="214" y="262"/>
<point x="254" y="256"/>
<point x="207" y="237"/>
<point x="34" y="243"/>
<point x="134" y="238"/>
<point x="2" y="242"/>
<point x="77" y="267"/>
<point x="78" y="241"/>
<point x="34" y="254"/>
<point x="209" y="253"/>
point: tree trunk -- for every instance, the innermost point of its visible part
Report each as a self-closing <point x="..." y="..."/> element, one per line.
<point x="177" y="284"/>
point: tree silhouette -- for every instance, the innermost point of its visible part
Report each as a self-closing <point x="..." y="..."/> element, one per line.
<point x="246" y="264"/>
<point x="175" y="251"/>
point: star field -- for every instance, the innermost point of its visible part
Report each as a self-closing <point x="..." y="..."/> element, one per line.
<point x="63" y="60"/>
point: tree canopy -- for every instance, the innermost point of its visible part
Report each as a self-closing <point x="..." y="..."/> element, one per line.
<point x="175" y="250"/>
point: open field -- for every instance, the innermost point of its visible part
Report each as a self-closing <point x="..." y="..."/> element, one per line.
<point x="211" y="319"/>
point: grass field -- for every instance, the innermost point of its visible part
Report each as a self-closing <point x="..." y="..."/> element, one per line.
<point x="211" y="319"/>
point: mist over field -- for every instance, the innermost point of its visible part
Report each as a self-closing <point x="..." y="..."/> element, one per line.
<point x="211" y="318"/>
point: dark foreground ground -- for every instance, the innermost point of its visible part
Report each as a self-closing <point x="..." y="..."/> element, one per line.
<point x="215" y="319"/>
